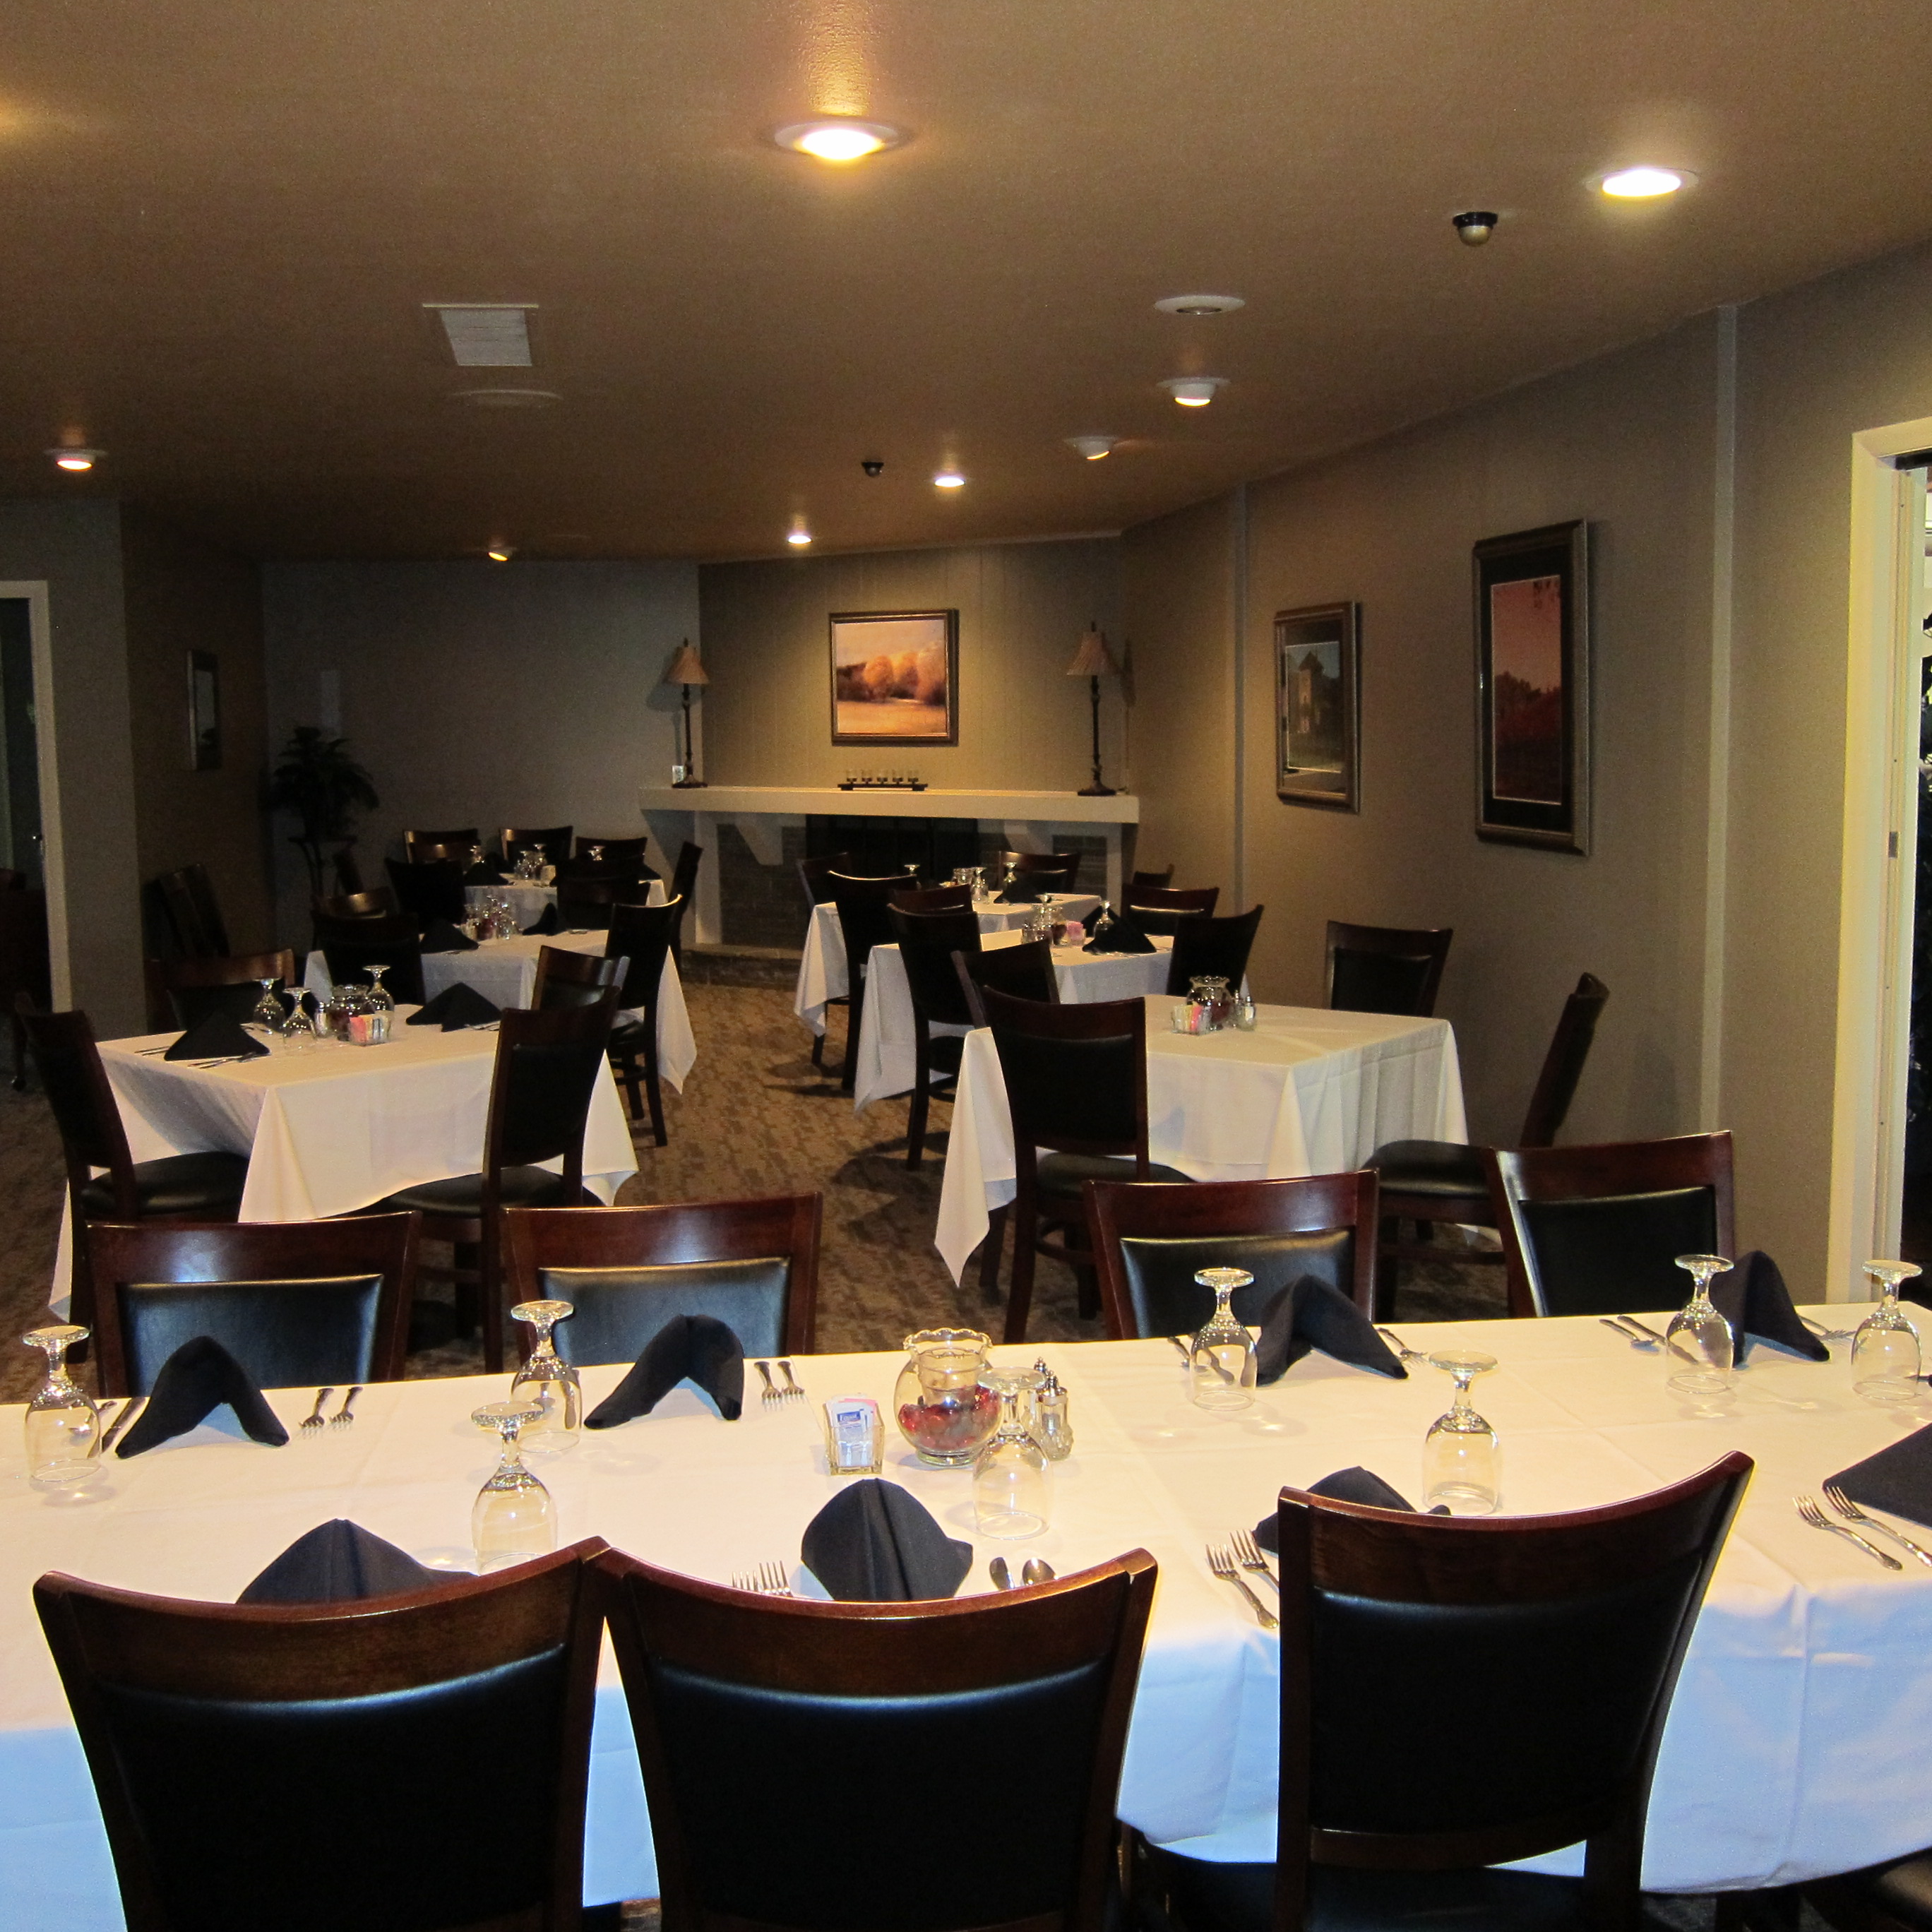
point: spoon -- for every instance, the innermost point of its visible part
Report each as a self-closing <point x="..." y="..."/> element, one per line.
<point x="1003" y="1577"/>
<point x="1401" y="1347"/>
<point x="1635" y="1341"/>
<point x="1036" y="1571"/>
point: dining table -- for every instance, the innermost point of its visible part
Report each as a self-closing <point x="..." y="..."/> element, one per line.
<point x="1306" y="1091"/>
<point x="1794" y="1748"/>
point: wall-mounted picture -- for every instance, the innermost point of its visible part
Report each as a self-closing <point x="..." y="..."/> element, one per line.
<point x="895" y="677"/>
<point x="204" y="712"/>
<point x="1533" y="687"/>
<point x="1318" y="706"/>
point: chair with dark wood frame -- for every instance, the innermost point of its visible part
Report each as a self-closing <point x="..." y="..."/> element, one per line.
<point x="263" y="1328"/>
<point x="1385" y="969"/>
<point x="1149" y="1241"/>
<point x="815" y="876"/>
<point x="1212" y="945"/>
<point x="586" y="905"/>
<point x="928" y="942"/>
<point x="640" y="936"/>
<point x="1162" y="879"/>
<point x="196" y="988"/>
<point x="1022" y="972"/>
<point x="455" y="844"/>
<point x="628" y="852"/>
<point x="696" y="1249"/>
<point x="429" y="889"/>
<point x="1597" y="1230"/>
<point x="555" y="839"/>
<point x="348" y="908"/>
<point x="568" y="979"/>
<point x="1430" y="1182"/>
<point x="350" y="946"/>
<point x="934" y="898"/>
<point x="1050" y="871"/>
<point x="1162" y="911"/>
<point x="683" y="887"/>
<point x="323" y="1739"/>
<point x="862" y="924"/>
<point x="738" y="1703"/>
<point x="188" y="896"/>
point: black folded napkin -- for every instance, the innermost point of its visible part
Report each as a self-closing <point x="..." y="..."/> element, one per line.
<point x="215" y="1036"/>
<point x="440" y="936"/>
<point x="456" y="1006"/>
<point x="483" y="875"/>
<point x="876" y="1542"/>
<point x="1752" y="1298"/>
<point x="194" y="1381"/>
<point x="1020" y="893"/>
<point x="339" y="1562"/>
<point x="697" y="1345"/>
<point x="546" y="923"/>
<point x="1110" y="931"/>
<point x="1355" y="1485"/>
<point x="1897" y="1479"/>
<point x="1313" y="1315"/>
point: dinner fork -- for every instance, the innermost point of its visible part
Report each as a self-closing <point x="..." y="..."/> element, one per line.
<point x="1401" y="1347"/>
<point x="1248" y="1555"/>
<point x="313" y="1419"/>
<point x="1616" y="1327"/>
<point x="344" y="1417"/>
<point x="1824" y="1334"/>
<point x="792" y="1390"/>
<point x="768" y="1579"/>
<point x="1845" y="1508"/>
<point x="1818" y="1519"/>
<point x="1222" y="1565"/>
<point x="121" y="1421"/>
<point x="772" y="1392"/>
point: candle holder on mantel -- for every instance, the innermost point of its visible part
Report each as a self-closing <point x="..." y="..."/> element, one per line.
<point x="1093" y="661"/>
<point x="686" y="669"/>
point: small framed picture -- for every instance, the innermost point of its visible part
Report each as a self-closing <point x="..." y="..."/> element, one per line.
<point x="204" y="712"/>
<point x="1533" y="687"/>
<point x="895" y="677"/>
<point x="1318" y="706"/>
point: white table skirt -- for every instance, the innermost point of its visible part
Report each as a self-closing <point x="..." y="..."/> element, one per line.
<point x="1795" y="1748"/>
<point x="529" y="901"/>
<point x="822" y="971"/>
<point x="885" y="1064"/>
<point x="1308" y="1092"/>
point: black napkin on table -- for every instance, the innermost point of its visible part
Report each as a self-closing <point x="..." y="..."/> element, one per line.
<point x="1897" y="1479"/>
<point x="441" y="936"/>
<point x="339" y="1562"/>
<point x="1355" y="1485"/>
<point x="195" y="1381"/>
<point x="546" y="923"/>
<point x="215" y="1036"/>
<point x="1019" y="892"/>
<point x="697" y="1345"/>
<point x="1313" y="1315"/>
<point x="1752" y="1298"/>
<point x="460" y="1005"/>
<point x="1110" y="931"/>
<point x="876" y="1542"/>
<point x="483" y="875"/>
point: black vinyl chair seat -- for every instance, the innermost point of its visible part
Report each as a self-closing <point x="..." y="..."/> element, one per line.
<point x="181" y="1187"/>
<point x="1442" y="1169"/>
<point x="462" y="1194"/>
<point x="616" y="1312"/>
<point x="1064" y="1174"/>
<point x="287" y="1334"/>
<point x="1240" y="1898"/>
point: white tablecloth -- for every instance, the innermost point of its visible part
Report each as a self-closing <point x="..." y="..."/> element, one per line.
<point x="885" y="1062"/>
<point x="1308" y="1092"/>
<point x="822" y="971"/>
<point x="527" y="900"/>
<point x="1795" y="1746"/>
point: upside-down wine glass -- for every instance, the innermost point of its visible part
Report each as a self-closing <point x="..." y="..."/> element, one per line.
<point x="1699" y="1339"/>
<point x="1010" y="1484"/>
<point x="548" y="1384"/>
<point x="270" y="1014"/>
<point x="1461" y="1465"/>
<point x="300" y="1031"/>
<point x="1884" y="1350"/>
<point x="63" y="1424"/>
<point x="1222" y="1363"/>
<point x="513" y="1517"/>
<point x="381" y="1000"/>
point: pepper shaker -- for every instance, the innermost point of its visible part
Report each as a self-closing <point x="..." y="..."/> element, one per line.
<point x="1052" y="1428"/>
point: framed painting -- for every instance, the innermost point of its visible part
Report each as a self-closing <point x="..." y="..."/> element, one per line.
<point x="1318" y="689"/>
<point x="895" y="677"/>
<point x="1533" y="687"/>
<point x="204" y="712"/>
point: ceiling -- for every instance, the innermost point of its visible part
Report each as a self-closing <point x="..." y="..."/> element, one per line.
<point x="219" y="221"/>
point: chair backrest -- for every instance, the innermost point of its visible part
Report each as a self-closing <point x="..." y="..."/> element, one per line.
<point x="1212" y="945"/>
<point x="1140" y="899"/>
<point x="453" y="844"/>
<point x="815" y="875"/>
<point x="555" y="839"/>
<point x="196" y="988"/>
<point x="547" y="1065"/>
<point x="431" y="889"/>
<point x="264" y="1765"/>
<point x="586" y="905"/>
<point x="1563" y="1064"/>
<point x="684" y="874"/>
<point x="1555" y="1639"/>
<point x="1385" y="969"/>
<point x="1054" y="871"/>
<point x="628" y="1271"/>
<point x="188" y="896"/>
<point x="641" y="935"/>
<point x="566" y="979"/>
<point x="1022" y="972"/>
<point x="625" y="852"/>
<point x="935" y="898"/>
<point x="82" y="1103"/>
<point x="862" y="905"/>
<point x="1150" y="1239"/>
<point x="344" y="908"/>
<point x="1075" y="1075"/>
<point x="927" y="942"/>
<point x="296" y="1303"/>
<point x="352" y="947"/>
<point x="1597" y="1230"/>
<point x="12" y="881"/>
<point x="1164" y="877"/>
<point x="738" y="1702"/>
<point x="26" y="965"/>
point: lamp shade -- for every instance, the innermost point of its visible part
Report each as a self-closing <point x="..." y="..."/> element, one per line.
<point x="1092" y="659"/>
<point x="686" y="668"/>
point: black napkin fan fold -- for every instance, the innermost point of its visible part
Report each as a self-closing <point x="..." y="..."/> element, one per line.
<point x="194" y="1381"/>
<point x="1897" y="1479"/>
<point x="483" y="875"/>
<point x="1752" y="1296"/>
<point x="876" y="1542"/>
<point x="1354" y="1485"/>
<point x="699" y="1346"/>
<point x="546" y="923"/>
<point x="339" y="1562"/>
<point x="1110" y="931"/>
<point x="216" y="1036"/>
<point x="442" y="935"/>
<point x="460" y="1005"/>
<point x="1313" y="1314"/>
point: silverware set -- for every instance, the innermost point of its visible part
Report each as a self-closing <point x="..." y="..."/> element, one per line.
<point x="1824" y="1334"/>
<point x="1032" y="1571"/>
<point x="1808" y="1509"/>
<point x="1401" y="1347"/>
<point x="344" y="1417"/>
<point x="767" y="1580"/>
<point x="1222" y="1562"/>
<point x="125" y="1416"/>
<point x="1844" y="1507"/>
<point x="791" y="1392"/>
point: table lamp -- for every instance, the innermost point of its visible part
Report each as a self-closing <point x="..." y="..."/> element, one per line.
<point x="1093" y="661"/>
<point x="686" y="670"/>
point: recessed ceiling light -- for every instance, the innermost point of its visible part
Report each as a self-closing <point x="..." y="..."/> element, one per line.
<point x="501" y="553"/>
<point x="486" y="335"/>
<point x="799" y="536"/>
<point x="949" y="479"/>
<point x="507" y="399"/>
<point x="1194" y="392"/>
<point x="75" y="459"/>
<point x="1644" y="183"/>
<point x="1199" y="305"/>
<point x="1093" y="447"/>
<point x="839" y="137"/>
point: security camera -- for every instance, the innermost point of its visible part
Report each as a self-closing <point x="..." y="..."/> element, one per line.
<point x="872" y="465"/>
<point x="1475" y="227"/>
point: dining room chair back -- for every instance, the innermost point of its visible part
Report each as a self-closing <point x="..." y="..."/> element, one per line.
<point x="641" y="936"/>
<point x="1046" y="871"/>
<point x="12" y="880"/>
<point x="1218" y="946"/>
<point x="626" y="1272"/>
<point x="628" y="852"/>
<point x="927" y="942"/>
<point x="568" y="979"/>
<point x="683" y="888"/>
<point x="913" y="898"/>
<point x="1022" y="972"/>
<point x="1142" y="898"/>
<point x="862" y="905"/>
<point x="455" y="843"/>
<point x="555" y="840"/>
<point x="1597" y="1230"/>
<point x="198" y="988"/>
<point x="815" y="875"/>
<point x="430" y="889"/>
<point x="296" y="1303"/>
<point x="344" y="908"/>
<point x="187" y="896"/>
<point x="1385" y="969"/>
<point x="1162" y="878"/>
<point x="303" y="1765"/>
<point x="351" y="947"/>
<point x="1563" y="1063"/>
<point x="1149" y="1243"/>
<point x="735" y="1697"/>
<point x="585" y="905"/>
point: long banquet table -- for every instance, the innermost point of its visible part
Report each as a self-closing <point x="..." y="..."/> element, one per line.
<point x="1795" y="1747"/>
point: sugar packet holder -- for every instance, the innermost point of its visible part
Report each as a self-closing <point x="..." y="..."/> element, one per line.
<point x="855" y="1442"/>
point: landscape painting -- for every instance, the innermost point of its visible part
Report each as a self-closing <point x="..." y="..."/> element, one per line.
<point x="895" y="677"/>
<point x="1317" y="688"/>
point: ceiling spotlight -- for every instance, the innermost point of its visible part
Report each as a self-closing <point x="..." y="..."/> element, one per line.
<point x="1093" y="447"/>
<point x="949" y="479"/>
<point x="1199" y="305"/>
<point x="839" y="138"/>
<point x="1475" y="227"/>
<point x="1194" y="392"/>
<point x="500" y="552"/>
<point x="75" y="459"/>
<point x="1644" y="183"/>
<point x="798" y="536"/>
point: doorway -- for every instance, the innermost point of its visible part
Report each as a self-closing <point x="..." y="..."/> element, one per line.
<point x="23" y="839"/>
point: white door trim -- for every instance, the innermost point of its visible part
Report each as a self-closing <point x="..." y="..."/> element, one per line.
<point x="53" y="850"/>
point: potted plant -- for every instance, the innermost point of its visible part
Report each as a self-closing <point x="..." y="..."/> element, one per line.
<point x="324" y="788"/>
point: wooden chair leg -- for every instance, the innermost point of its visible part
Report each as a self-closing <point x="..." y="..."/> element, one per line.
<point x="627" y="1072"/>
<point x="1019" y="1295"/>
<point x="492" y="1291"/>
<point x="818" y="1050"/>
<point x="654" y="1093"/>
<point x="989" y="1254"/>
<point x="916" y="1115"/>
<point x="855" y="1018"/>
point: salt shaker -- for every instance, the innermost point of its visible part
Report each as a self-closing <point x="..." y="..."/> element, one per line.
<point x="1052" y="1429"/>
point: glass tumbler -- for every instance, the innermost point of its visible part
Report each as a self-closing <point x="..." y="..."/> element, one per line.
<point x="1010" y="1484"/>
<point x="63" y="1424"/>
<point x="548" y="1384"/>
<point x="513" y="1518"/>
<point x="1221" y="1364"/>
<point x="1461" y="1464"/>
<point x="1885" y="1350"/>
<point x="1699" y="1339"/>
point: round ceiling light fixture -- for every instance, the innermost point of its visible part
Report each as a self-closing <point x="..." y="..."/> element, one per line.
<point x="839" y="138"/>
<point x="1199" y="305"/>
<point x="500" y="552"/>
<point x="507" y="399"/>
<point x="1643" y="184"/>
<point x="948" y="478"/>
<point x="1094" y="447"/>
<point x="1194" y="392"/>
<point x="798" y="536"/>
<point x="72" y="457"/>
<point x="1474" y="226"/>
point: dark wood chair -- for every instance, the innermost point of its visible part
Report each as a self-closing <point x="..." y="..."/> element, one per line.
<point x="546" y="1070"/>
<point x="683" y="886"/>
<point x="565" y="979"/>
<point x="1893" y="1897"/>
<point x="641" y="938"/>
<point x="927" y="942"/>
<point x="12" y="880"/>
<point x="862" y="905"/>
<point x="1046" y="871"/>
<point x="738" y="1702"/>
<point x="1076" y="1085"/>
<point x="815" y="875"/>
<point x="1597" y="1230"/>
<point x="1149" y="1243"/>
<point x="627" y="1271"/>
<point x="296" y="1765"/>
<point x="351" y="946"/>
<point x="196" y="988"/>
<point x="177" y="1187"/>
<point x="934" y="898"/>
<point x="188" y="896"/>
<point x="1556" y="1639"/>
<point x="628" y="853"/>
<point x="455" y="844"/>
<point x="1162" y="879"/>
<point x="555" y="840"/>
<point x="1157" y="909"/>
<point x="586" y="905"/>
<point x="345" y="907"/>
<point x="1385" y="969"/>
<point x="297" y="1303"/>
<point x="1022" y="972"/>
<point x="1212" y="945"/>
<point x="26" y="966"/>
<point x="430" y="890"/>
<point x="1429" y="1182"/>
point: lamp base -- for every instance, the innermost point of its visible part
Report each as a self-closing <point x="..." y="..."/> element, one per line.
<point x="687" y="784"/>
<point x="1096" y="791"/>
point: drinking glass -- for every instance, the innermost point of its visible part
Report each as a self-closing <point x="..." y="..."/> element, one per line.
<point x="476" y="855"/>
<point x="1222" y="1363"/>
<point x="270" y="1014"/>
<point x="300" y="1032"/>
<point x="513" y="1517"/>
<point x="1010" y="1484"/>
<point x="63" y="1424"/>
<point x="539" y="861"/>
<point x="1461" y="1465"/>
<point x="381" y="1000"/>
<point x="548" y="1384"/>
<point x="1699" y="1339"/>
<point x="596" y="855"/>
<point x="1885" y="1350"/>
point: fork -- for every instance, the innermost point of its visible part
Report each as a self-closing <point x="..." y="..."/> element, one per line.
<point x="1616" y="1327"/>
<point x="1222" y="1565"/>
<point x="793" y="1392"/>
<point x="343" y="1417"/>
<point x="1824" y="1334"/>
<point x="768" y="1579"/>
<point x="313" y="1419"/>
<point x="1401" y="1347"/>
<point x="128" y="1409"/>
<point x="772" y="1392"/>
<point x="1818" y="1519"/>
<point x="1845" y="1508"/>
<point x="1248" y="1555"/>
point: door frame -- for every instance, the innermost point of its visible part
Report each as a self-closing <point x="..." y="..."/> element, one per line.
<point x="34" y="594"/>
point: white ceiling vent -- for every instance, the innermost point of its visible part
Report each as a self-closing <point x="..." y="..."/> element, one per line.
<point x="487" y="335"/>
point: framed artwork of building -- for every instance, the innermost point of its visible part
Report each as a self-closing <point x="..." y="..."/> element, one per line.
<point x="1318" y="706"/>
<point x="895" y="677"/>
